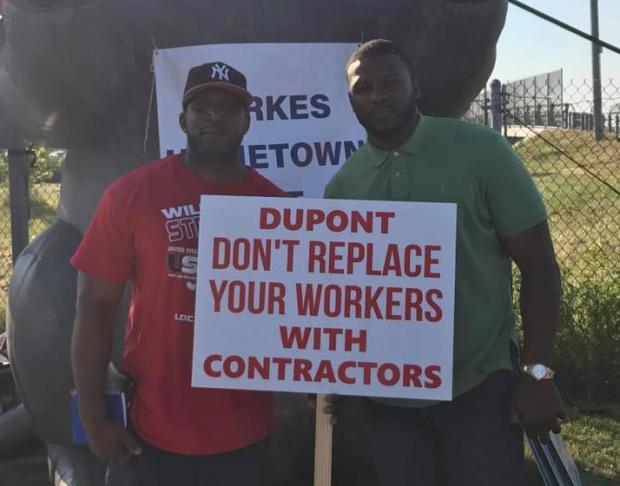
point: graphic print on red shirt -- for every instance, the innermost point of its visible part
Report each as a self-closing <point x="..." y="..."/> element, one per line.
<point x="145" y="230"/>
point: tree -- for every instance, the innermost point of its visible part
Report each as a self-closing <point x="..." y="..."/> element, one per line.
<point x="46" y="164"/>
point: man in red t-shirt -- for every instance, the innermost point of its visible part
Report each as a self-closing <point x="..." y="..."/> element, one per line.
<point x="145" y="231"/>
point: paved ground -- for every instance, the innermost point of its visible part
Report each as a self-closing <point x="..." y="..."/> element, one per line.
<point x="29" y="469"/>
<point x="519" y="132"/>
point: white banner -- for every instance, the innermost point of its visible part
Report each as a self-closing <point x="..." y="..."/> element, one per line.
<point x="302" y="127"/>
<point x="325" y="296"/>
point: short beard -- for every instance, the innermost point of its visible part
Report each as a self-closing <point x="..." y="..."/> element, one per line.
<point x="384" y="132"/>
<point x="213" y="151"/>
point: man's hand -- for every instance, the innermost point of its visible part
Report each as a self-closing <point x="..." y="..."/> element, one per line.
<point x="110" y="441"/>
<point x="538" y="407"/>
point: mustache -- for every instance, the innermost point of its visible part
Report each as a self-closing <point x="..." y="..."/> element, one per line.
<point x="383" y="109"/>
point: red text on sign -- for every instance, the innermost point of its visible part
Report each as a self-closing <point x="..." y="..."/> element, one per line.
<point x="323" y="338"/>
<point x="351" y="372"/>
<point x="336" y="221"/>
<point x="339" y="257"/>
<point x="255" y="297"/>
<point x="256" y="254"/>
<point x="351" y="301"/>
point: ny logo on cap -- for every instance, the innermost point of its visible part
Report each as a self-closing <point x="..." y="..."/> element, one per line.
<point x="220" y="71"/>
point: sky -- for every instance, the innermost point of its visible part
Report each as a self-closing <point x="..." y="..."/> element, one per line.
<point x="530" y="45"/>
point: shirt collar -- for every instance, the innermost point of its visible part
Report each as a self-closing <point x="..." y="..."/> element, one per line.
<point x="413" y="145"/>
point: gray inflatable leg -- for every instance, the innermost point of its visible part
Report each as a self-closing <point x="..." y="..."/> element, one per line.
<point x="16" y="434"/>
<point x="74" y="466"/>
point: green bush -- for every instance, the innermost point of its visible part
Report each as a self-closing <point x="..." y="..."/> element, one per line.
<point x="587" y="344"/>
<point x="4" y="167"/>
<point x="588" y="341"/>
<point x="2" y="315"/>
<point x="45" y="165"/>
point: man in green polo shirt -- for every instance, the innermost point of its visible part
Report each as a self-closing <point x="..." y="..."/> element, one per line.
<point x="475" y="438"/>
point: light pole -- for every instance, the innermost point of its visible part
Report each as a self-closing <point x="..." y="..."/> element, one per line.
<point x="596" y="73"/>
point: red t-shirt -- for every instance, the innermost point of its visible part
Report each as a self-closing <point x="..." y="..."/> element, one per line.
<point x="145" y="230"/>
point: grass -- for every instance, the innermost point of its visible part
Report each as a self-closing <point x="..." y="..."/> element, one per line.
<point x="584" y="214"/>
<point x="44" y="199"/>
<point x="593" y="440"/>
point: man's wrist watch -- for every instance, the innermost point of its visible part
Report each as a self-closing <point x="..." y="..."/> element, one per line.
<point x="538" y="371"/>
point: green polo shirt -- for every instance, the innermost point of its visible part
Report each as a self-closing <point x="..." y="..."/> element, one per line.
<point x="448" y="160"/>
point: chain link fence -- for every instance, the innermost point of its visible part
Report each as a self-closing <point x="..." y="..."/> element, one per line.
<point x="551" y="125"/>
<point x="43" y="168"/>
<point x="578" y="176"/>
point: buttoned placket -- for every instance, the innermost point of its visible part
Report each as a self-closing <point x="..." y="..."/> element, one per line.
<point x="395" y="160"/>
<point x="397" y="173"/>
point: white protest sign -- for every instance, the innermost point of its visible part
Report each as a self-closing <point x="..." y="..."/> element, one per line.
<point x="302" y="126"/>
<point x="325" y="296"/>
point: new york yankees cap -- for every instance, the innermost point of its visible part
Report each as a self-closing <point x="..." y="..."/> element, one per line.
<point x="215" y="75"/>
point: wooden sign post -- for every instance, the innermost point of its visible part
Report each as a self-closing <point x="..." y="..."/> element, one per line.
<point x="322" y="444"/>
